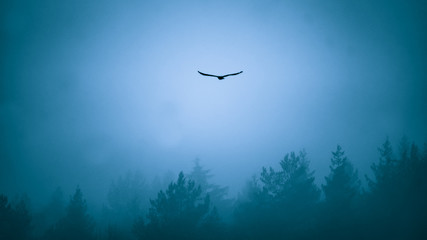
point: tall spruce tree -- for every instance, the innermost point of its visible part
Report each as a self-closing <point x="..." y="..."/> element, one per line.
<point x="338" y="215"/>
<point x="76" y="224"/>
<point x="385" y="170"/>
<point x="218" y="195"/>
<point x="342" y="183"/>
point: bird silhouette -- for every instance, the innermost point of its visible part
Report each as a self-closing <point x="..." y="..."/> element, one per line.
<point x="220" y="77"/>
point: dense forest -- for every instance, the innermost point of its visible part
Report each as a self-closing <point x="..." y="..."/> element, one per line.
<point x="283" y="203"/>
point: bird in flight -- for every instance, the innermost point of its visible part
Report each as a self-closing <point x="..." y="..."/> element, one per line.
<point x="220" y="77"/>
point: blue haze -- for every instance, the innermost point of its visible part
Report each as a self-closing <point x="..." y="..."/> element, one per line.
<point x="91" y="89"/>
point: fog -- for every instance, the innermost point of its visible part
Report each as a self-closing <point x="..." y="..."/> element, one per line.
<point x="92" y="90"/>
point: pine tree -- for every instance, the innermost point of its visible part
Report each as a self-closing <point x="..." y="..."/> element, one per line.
<point x="338" y="216"/>
<point x="200" y="176"/>
<point x="76" y="224"/>
<point x="176" y="213"/>
<point x="217" y="194"/>
<point x="126" y="200"/>
<point x="398" y="194"/>
<point x="281" y="203"/>
<point x="385" y="170"/>
<point x="342" y="184"/>
<point x="293" y="184"/>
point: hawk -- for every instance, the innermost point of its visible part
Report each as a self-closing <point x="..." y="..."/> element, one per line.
<point x="220" y="77"/>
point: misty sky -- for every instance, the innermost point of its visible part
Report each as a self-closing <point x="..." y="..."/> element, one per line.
<point x="92" y="89"/>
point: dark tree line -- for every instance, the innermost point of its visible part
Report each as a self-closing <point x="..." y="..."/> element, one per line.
<point x="282" y="203"/>
<point x="15" y="219"/>
<point x="398" y="197"/>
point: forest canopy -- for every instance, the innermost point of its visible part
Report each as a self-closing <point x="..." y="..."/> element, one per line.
<point x="276" y="203"/>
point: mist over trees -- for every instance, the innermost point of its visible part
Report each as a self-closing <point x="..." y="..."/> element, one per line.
<point x="217" y="194"/>
<point x="279" y="202"/>
<point x="76" y="224"/>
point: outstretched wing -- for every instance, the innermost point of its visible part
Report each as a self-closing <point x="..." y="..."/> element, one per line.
<point x="209" y="75"/>
<point x="231" y="74"/>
